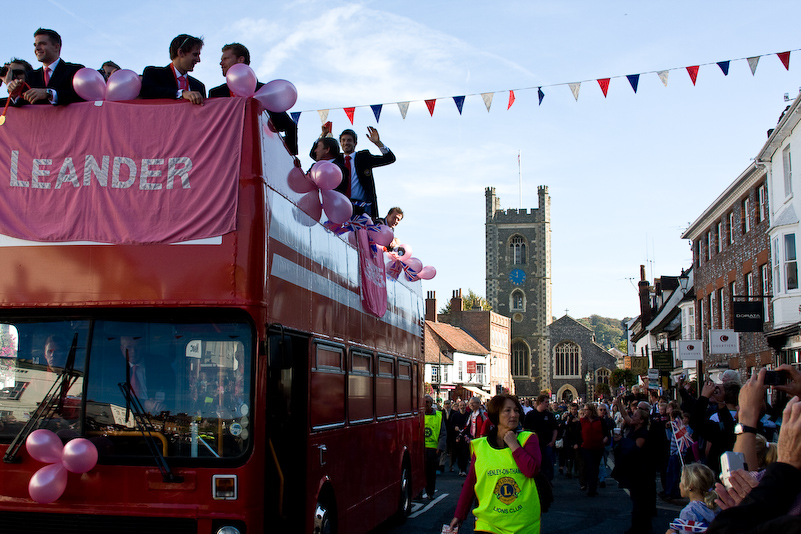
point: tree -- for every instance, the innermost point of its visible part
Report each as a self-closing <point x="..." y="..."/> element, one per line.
<point x="621" y="377"/>
<point x="469" y="301"/>
<point x="623" y="346"/>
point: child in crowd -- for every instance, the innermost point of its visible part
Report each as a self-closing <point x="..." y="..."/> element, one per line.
<point x="696" y="484"/>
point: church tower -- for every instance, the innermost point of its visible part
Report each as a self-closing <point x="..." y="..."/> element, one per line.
<point x="518" y="278"/>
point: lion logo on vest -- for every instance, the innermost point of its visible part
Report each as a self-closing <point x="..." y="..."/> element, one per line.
<point x="507" y="490"/>
<point x="429" y="432"/>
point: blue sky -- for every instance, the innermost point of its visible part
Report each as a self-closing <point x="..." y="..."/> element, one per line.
<point x="626" y="173"/>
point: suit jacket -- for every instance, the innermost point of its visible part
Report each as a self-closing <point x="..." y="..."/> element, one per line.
<point x="60" y="81"/>
<point x="160" y="82"/>
<point x="282" y="121"/>
<point x="365" y="163"/>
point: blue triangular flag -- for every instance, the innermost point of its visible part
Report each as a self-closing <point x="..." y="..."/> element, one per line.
<point x="540" y="95"/>
<point x="459" y="101"/>
<point x="295" y="116"/>
<point x="724" y="66"/>
<point x="376" y="110"/>
<point x="634" y="80"/>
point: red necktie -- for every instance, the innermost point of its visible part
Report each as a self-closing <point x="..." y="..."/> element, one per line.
<point x="350" y="172"/>
<point x="46" y="75"/>
<point x="182" y="83"/>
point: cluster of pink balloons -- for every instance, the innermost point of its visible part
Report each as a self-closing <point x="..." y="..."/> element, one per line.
<point x="323" y="177"/>
<point x="90" y="85"/>
<point x="277" y="95"/>
<point x="77" y="456"/>
<point x="412" y="268"/>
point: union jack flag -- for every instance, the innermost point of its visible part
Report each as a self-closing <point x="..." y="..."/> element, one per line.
<point x="682" y="436"/>
<point x="681" y="525"/>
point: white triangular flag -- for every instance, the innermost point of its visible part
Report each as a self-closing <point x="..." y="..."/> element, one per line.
<point x="323" y="115"/>
<point x="663" y="75"/>
<point x="574" y="87"/>
<point x="487" y="97"/>
<point x="752" y="62"/>
<point x="404" y="107"/>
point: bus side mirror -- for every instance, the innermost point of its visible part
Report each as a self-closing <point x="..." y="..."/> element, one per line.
<point x="279" y="352"/>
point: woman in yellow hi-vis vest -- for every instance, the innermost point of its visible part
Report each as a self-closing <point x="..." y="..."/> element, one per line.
<point x="501" y="475"/>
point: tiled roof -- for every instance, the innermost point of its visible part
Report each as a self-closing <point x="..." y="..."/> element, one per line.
<point x="436" y="348"/>
<point x="456" y="339"/>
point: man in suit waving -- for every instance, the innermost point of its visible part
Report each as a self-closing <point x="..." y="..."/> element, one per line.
<point x="358" y="183"/>
<point x="173" y="81"/>
<point x="52" y="83"/>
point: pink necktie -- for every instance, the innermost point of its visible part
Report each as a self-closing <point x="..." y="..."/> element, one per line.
<point x="182" y="83"/>
<point x="350" y="172"/>
<point x="46" y="76"/>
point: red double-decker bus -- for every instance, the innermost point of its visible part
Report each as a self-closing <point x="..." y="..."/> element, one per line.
<point x="163" y="295"/>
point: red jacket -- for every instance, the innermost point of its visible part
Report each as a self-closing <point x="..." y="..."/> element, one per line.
<point x="592" y="434"/>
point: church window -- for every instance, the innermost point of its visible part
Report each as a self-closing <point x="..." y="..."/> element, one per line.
<point x="517" y="249"/>
<point x="518" y="301"/>
<point x="567" y="360"/>
<point x="519" y="359"/>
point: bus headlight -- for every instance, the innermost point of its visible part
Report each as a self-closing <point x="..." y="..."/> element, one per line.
<point x="228" y="530"/>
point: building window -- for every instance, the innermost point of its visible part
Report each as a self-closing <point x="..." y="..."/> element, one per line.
<point x="749" y="284"/>
<point x="744" y="216"/>
<point x="435" y="374"/>
<point x="460" y="371"/>
<point x="790" y="263"/>
<point x="765" y="292"/>
<point x="777" y="275"/>
<point x="602" y="376"/>
<point x="721" y="308"/>
<point x="712" y="309"/>
<point x="517" y="249"/>
<point x="731" y="228"/>
<point x="519" y="359"/>
<point x="762" y="194"/>
<point x="719" y="237"/>
<point x="688" y="322"/>
<point x="481" y="373"/>
<point x="567" y="359"/>
<point x="701" y="312"/>
<point x="517" y="300"/>
<point x="788" y="171"/>
<point x="709" y="245"/>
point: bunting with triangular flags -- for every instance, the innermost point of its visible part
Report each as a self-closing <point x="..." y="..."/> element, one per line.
<point x="511" y="99"/>
<point x="604" y="83"/>
<point x="540" y="95"/>
<point x="430" y="105"/>
<point x="377" y="111"/>
<point x="752" y="64"/>
<point x="724" y="66"/>
<point x="459" y="101"/>
<point x="634" y="81"/>
<point x="663" y="75"/>
<point x="693" y="72"/>
<point x="350" y="112"/>
<point x="404" y="108"/>
<point x="295" y="116"/>
<point x="574" y="88"/>
<point x="487" y="98"/>
<point x="785" y="57"/>
<point x="323" y="115"/>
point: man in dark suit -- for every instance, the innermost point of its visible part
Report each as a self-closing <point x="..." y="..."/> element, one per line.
<point x="237" y="53"/>
<point x="173" y="81"/>
<point x="358" y="183"/>
<point x="53" y="82"/>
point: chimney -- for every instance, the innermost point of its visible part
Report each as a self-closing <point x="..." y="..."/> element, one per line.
<point x="431" y="306"/>
<point x="456" y="302"/>
<point x="646" y="314"/>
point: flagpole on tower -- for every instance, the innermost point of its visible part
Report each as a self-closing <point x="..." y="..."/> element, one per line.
<point x="520" y="177"/>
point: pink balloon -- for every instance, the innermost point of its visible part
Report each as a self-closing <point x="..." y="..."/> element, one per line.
<point x="407" y="252"/>
<point x="48" y="483"/>
<point x="427" y="273"/>
<point x="89" y="84"/>
<point x="123" y="84"/>
<point x="80" y="455"/>
<point x="326" y="175"/>
<point x="414" y="264"/>
<point x="381" y="234"/>
<point x="44" y="446"/>
<point x="299" y="182"/>
<point x="310" y="203"/>
<point x="277" y="95"/>
<point x="241" y="80"/>
<point x="337" y="206"/>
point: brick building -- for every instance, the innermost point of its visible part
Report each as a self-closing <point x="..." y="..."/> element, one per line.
<point x="731" y="259"/>
<point x="518" y="279"/>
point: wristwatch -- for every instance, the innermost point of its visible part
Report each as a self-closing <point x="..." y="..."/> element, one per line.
<point x="740" y="428"/>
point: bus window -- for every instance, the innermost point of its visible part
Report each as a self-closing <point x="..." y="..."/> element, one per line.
<point x="327" y="395"/>
<point x="404" y="387"/>
<point x="360" y="388"/>
<point x="385" y="387"/>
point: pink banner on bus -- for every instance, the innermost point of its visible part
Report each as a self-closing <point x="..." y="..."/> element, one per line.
<point x="119" y="173"/>
<point x="373" y="276"/>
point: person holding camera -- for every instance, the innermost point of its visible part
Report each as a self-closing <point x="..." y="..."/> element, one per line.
<point x="16" y="69"/>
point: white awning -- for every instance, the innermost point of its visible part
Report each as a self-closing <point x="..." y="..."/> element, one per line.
<point x="478" y="392"/>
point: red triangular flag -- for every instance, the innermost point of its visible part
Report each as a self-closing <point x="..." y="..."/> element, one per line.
<point x="785" y="57"/>
<point x="349" y="112"/>
<point x="511" y="99"/>
<point x="430" y="104"/>
<point x="693" y="71"/>
<point x="604" y="83"/>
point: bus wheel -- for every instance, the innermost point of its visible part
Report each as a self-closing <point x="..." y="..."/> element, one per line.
<point x="324" y="522"/>
<point x="405" y="505"/>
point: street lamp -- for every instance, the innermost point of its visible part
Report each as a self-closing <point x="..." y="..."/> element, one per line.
<point x="684" y="281"/>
